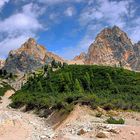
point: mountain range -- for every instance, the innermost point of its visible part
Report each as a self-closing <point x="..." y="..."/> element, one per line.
<point x="112" y="47"/>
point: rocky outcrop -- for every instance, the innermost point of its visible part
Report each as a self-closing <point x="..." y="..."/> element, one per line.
<point x="2" y="62"/>
<point x="82" y="56"/>
<point x="29" y="57"/>
<point x="79" y="60"/>
<point x="112" y="47"/>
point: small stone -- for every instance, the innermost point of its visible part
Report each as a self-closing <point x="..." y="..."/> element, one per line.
<point x="45" y="129"/>
<point x="81" y="132"/>
<point x="114" y="131"/>
<point x="102" y="135"/>
<point x="133" y="132"/>
<point x="43" y="137"/>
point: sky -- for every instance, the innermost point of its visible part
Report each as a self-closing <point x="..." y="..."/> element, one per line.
<point x="65" y="27"/>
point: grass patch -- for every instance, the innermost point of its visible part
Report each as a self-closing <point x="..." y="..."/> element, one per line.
<point x="112" y="120"/>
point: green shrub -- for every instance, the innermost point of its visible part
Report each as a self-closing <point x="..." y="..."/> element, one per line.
<point x="112" y="120"/>
<point x="98" y="115"/>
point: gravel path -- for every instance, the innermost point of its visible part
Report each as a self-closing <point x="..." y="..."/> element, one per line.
<point x="16" y="125"/>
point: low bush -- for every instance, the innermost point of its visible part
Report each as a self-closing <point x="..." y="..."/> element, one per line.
<point x="112" y="120"/>
<point x="98" y="115"/>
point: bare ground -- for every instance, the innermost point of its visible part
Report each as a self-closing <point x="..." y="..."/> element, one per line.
<point x="80" y="124"/>
<point x="16" y="125"/>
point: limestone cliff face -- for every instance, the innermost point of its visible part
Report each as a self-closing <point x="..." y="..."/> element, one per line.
<point x="29" y="57"/>
<point x="112" y="47"/>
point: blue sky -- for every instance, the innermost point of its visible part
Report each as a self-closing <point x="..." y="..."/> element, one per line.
<point x="65" y="27"/>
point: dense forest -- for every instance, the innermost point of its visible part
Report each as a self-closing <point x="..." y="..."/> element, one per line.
<point x="63" y="86"/>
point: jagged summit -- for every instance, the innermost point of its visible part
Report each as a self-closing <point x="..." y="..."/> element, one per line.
<point x="29" y="57"/>
<point x="113" y="47"/>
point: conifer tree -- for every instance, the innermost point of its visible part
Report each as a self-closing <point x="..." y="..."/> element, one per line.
<point x="77" y="87"/>
<point x="87" y="81"/>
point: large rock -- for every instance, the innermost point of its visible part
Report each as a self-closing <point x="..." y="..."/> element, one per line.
<point x="102" y="135"/>
<point x="29" y="57"/>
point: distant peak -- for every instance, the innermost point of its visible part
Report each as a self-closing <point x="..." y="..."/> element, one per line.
<point x="116" y="28"/>
<point x="32" y="41"/>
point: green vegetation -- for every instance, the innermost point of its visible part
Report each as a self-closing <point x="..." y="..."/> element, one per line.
<point x="3" y="88"/>
<point x="107" y="87"/>
<point x="112" y="120"/>
<point x="98" y="115"/>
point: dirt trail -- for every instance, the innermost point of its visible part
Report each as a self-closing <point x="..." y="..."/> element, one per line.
<point x="16" y="125"/>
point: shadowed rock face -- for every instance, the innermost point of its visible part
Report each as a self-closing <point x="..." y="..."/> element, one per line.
<point x="29" y="57"/>
<point x="113" y="47"/>
<point x="136" y="65"/>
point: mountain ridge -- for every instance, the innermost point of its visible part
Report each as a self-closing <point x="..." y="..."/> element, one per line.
<point x="112" y="47"/>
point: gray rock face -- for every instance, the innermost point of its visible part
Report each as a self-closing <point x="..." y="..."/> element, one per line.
<point x="29" y="57"/>
<point x="136" y="65"/>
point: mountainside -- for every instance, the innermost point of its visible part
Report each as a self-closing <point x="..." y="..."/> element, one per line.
<point x="29" y="57"/>
<point x="112" y="47"/>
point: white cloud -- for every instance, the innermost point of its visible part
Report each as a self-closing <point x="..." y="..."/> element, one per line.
<point x="18" y="27"/>
<point x="52" y="2"/>
<point x="19" y="23"/>
<point x="11" y="43"/>
<point x="70" y="11"/>
<point x="111" y="12"/>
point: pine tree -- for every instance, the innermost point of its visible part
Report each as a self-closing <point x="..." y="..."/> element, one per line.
<point x="4" y="72"/>
<point x="54" y="64"/>
<point x="0" y="72"/>
<point x="77" y="87"/>
<point x="40" y="86"/>
<point x="87" y="81"/>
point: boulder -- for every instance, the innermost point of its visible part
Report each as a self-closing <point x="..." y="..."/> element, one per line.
<point x="102" y="135"/>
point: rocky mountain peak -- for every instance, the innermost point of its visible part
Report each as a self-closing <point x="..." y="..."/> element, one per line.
<point x="111" y="47"/>
<point x="29" y="57"/>
<point x="114" y="34"/>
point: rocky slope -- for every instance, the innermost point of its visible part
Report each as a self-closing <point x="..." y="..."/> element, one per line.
<point x="26" y="125"/>
<point x="29" y="57"/>
<point x="113" y="47"/>
<point x="79" y="60"/>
